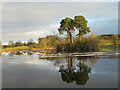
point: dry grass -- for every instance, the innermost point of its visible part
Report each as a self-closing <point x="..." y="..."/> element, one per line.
<point x="14" y="48"/>
<point x="23" y="48"/>
<point x="43" y="48"/>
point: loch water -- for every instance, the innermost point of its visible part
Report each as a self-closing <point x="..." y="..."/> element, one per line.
<point x="31" y="71"/>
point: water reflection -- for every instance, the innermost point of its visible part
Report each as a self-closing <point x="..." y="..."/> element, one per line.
<point x="74" y="70"/>
<point x="59" y="72"/>
<point x="70" y="74"/>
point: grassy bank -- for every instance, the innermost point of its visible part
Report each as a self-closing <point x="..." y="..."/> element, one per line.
<point x="106" y="44"/>
<point x="22" y="48"/>
<point x="15" y="48"/>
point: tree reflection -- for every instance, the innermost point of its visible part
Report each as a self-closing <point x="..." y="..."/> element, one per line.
<point x="71" y="74"/>
<point x="67" y="74"/>
<point x="82" y="75"/>
<point x="92" y="60"/>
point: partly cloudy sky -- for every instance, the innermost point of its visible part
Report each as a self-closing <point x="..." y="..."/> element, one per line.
<point x="26" y="20"/>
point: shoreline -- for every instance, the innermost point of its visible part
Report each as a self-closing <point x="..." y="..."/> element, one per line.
<point x="62" y="55"/>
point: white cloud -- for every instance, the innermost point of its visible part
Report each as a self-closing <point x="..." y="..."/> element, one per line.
<point x="35" y="34"/>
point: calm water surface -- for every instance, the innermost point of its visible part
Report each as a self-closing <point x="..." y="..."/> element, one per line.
<point x="30" y="71"/>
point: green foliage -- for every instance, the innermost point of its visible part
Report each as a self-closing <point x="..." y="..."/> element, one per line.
<point x="69" y="25"/>
<point x="81" y="24"/>
<point x="65" y="25"/>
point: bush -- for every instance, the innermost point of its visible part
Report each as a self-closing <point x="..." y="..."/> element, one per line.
<point x="85" y="45"/>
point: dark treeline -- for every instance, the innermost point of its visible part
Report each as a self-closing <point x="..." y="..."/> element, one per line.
<point x="109" y="36"/>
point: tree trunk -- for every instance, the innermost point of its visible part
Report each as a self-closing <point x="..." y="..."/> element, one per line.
<point x="70" y="63"/>
<point x="68" y="37"/>
<point x="79" y="35"/>
<point x="71" y="38"/>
